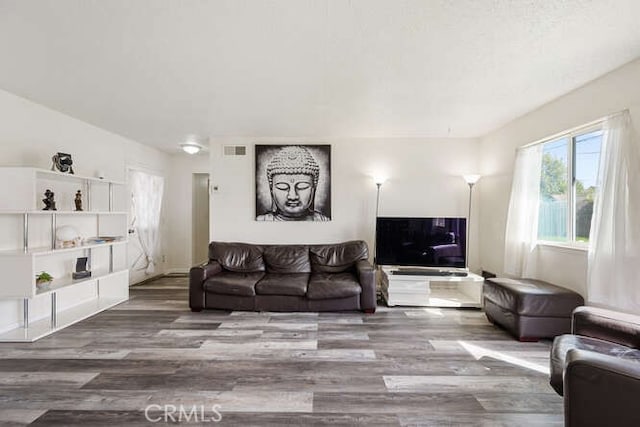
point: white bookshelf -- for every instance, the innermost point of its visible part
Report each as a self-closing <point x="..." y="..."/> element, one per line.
<point x="28" y="246"/>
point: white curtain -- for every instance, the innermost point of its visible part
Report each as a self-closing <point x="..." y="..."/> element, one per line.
<point x="522" y="217"/>
<point x="146" y="201"/>
<point x="614" y="244"/>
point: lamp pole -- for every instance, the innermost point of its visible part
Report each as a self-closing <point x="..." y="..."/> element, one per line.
<point x="471" y="180"/>
<point x="375" y="226"/>
<point x="469" y="224"/>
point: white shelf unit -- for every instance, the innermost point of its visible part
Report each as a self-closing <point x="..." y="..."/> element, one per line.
<point x="28" y="246"/>
<point x="430" y="291"/>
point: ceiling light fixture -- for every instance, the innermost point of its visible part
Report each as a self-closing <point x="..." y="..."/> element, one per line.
<point x="191" y="148"/>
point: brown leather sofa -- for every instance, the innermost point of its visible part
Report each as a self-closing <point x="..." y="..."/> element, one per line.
<point x="243" y="276"/>
<point x="597" y="368"/>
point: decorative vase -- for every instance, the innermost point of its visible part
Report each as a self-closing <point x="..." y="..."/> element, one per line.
<point x="42" y="284"/>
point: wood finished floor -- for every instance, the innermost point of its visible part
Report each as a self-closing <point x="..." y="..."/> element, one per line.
<point x="398" y="367"/>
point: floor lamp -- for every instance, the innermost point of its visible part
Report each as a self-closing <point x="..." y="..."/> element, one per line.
<point x="471" y="180"/>
<point x="379" y="181"/>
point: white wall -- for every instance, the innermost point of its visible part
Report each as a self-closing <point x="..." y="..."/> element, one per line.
<point x="179" y="208"/>
<point x="30" y="134"/>
<point x="424" y="179"/>
<point x="613" y="92"/>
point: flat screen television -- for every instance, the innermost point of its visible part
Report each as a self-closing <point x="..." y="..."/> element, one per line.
<point x="421" y="242"/>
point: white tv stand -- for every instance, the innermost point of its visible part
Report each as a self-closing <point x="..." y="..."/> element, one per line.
<point x="427" y="288"/>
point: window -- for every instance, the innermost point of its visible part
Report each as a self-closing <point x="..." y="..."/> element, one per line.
<point x="568" y="186"/>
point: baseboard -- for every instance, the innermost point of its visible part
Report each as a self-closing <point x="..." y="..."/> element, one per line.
<point x="174" y="272"/>
<point x="177" y="272"/>
<point x="147" y="280"/>
<point x="9" y="327"/>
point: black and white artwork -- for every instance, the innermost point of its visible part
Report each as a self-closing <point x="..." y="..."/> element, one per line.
<point x="293" y="182"/>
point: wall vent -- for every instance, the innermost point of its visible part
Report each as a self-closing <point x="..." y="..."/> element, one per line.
<point x="235" y="150"/>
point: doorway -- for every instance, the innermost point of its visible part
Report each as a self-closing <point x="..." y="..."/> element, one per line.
<point x="200" y="218"/>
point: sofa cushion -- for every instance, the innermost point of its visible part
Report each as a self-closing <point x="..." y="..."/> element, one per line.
<point x="337" y="258"/>
<point x="242" y="257"/>
<point x="293" y="284"/>
<point x="564" y="343"/>
<point x="232" y="283"/>
<point x="287" y="259"/>
<point x="333" y="285"/>
<point x="530" y="297"/>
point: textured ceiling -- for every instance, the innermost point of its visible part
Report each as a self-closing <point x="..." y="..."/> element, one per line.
<point x="157" y="70"/>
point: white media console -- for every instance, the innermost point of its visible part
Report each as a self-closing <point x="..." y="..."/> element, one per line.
<point x="426" y="288"/>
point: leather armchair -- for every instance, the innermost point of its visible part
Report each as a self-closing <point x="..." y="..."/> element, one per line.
<point x="597" y="368"/>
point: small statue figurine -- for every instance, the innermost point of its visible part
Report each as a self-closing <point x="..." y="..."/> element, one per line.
<point x="49" y="203"/>
<point x="62" y="162"/>
<point x="78" y="201"/>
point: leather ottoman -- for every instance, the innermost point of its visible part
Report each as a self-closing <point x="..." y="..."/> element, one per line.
<point x="529" y="309"/>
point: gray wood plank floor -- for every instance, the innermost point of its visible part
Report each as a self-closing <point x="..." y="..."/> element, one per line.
<point x="398" y="367"/>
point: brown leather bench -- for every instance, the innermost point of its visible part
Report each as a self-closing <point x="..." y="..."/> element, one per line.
<point x="529" y="309"/>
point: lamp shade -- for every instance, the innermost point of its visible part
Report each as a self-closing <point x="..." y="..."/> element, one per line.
<point x="472" y="178"/>
<point x="379" y="179"/>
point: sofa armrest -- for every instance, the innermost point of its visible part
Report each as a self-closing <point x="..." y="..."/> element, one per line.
<point x="367" y="279"/>
<point x="600" y="390"/>
<point x="197" y="276"/>
<point x="608" y="325"/>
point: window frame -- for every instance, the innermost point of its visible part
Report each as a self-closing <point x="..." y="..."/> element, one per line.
<point x="571" y="136"/>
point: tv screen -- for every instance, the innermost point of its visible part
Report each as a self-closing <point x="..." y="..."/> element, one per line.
<point x="421" y="242"/>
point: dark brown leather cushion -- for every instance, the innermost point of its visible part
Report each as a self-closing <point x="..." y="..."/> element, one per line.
<point x="232" y="283"/>
<point x="615" y="326"/>
<point x="564" y="343"/>
<point x="530" y="297"/>
<point x="287" y="259"/>
<point x="332" y="285"/>
<point x="337" y="258"/>
<point x="242" y="257"/>
<point x="294" y="284"/>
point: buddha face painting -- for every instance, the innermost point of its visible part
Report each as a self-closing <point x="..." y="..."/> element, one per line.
<point x="292" y="176"/>
<point x="293" y="194"/>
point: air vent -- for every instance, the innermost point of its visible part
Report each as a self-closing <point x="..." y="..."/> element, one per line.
<point x="235" y="150"/>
